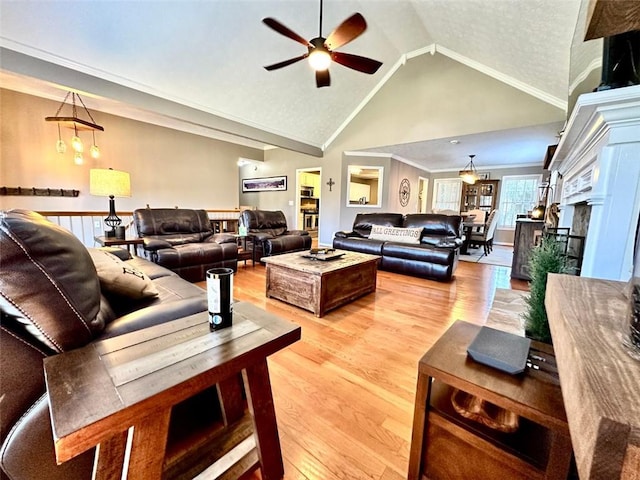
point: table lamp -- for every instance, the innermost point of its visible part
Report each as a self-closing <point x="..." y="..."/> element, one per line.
<point x="106" y="182"/>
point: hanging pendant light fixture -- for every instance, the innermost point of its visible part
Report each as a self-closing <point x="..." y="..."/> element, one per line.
<point x="469" y="174"/>
<point x="77" y="123"/>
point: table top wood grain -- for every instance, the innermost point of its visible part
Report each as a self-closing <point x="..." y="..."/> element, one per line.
<point x="98" y="388"/>
<point x="296" y="261"/>
<point x="600" y="380"/>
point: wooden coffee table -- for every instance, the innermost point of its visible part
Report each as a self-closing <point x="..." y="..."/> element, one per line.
<point x="320" y="286"/>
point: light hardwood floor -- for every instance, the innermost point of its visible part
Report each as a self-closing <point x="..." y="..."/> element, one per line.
<point x="344" y="394"/>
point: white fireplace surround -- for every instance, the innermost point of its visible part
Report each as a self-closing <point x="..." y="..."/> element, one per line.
<point x="598" y="161"/>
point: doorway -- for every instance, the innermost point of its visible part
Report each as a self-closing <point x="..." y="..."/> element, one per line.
<point x="308" y="196"/>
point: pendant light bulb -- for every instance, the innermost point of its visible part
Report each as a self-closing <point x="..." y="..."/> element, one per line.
<point x="94" y="150"/>
<point x="76" y="143"/>
<point x="61" y="147"/>
<point x="77" y="158"/>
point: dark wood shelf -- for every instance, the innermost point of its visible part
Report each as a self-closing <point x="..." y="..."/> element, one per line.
<point x="481" y="195"/>
<point x="531" y="442"/>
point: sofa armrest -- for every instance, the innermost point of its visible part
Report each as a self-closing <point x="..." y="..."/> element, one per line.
<point x="154" y="244"/>
<point x="121" y="253"/>
<point x="261" y="237"/>
<point x="222" y="238"/>
<point x="155" y="315"/>
<point x="296" y="232"/>
<point x="342" y="234"/>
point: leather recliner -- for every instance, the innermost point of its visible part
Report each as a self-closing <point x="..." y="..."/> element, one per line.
<point x="52" y="301"/>
<point x="269" y="230"/>
<point x="435" y="257"/>
<point x="183" y="241"/>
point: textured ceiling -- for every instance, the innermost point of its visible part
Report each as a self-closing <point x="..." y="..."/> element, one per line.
<point x="208" y="55"/>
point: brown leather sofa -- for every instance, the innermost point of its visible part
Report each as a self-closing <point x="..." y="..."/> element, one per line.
<point x="435" y="257"/>
<point x="183" y="241"/>
<point x="52" y="300"/>
<point x="269" y="230"/>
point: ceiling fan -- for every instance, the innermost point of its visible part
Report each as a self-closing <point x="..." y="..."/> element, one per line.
<point x="321" y="51"/>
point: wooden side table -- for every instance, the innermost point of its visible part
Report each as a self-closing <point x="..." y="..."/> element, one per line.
<point x="96" y="393"/>
<point x="244" y="253"/>
<point x="116" y="242"/>
<point x="446" y="445"/>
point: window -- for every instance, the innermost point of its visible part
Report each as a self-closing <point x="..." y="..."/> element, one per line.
<point x="446" y="194"/>
<point x="518" y="195"/>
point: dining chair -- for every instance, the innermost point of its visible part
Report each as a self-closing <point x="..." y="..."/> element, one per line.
<point x="485" y="236"/>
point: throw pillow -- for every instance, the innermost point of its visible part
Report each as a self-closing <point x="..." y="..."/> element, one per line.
<point x="396" y="234"/>
<point x="121" y="278"/>
<point x="47" y="281"/>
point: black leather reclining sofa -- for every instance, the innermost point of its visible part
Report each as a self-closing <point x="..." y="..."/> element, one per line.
<point x="270" y="232"/>
<point x="54" y="297"/>
<point x="183" y="241"/>
<point x="435" y="257"/>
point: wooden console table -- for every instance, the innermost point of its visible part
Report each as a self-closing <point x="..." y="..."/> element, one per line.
<point x="600" y="380"/>
<point x="446" y="445"/>
<point x="96" y="393"/>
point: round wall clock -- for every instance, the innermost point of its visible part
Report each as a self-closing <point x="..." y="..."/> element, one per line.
<point x="405" y="192"/>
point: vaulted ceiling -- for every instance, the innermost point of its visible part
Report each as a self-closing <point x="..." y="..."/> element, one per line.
<point x="198" y="65"/>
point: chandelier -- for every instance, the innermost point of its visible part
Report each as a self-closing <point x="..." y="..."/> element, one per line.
<point x="77" y="124"/>
<point x="469" y="174"/>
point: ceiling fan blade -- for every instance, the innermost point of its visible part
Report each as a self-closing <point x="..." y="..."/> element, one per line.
<point x="348" y="30"/>
<point x="275" y="66"/>
<point x="356" y="62"/>
<point x="282" y="30"/>
<point x="323" y="79"/>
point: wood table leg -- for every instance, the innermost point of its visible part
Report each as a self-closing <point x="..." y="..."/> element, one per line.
<point x="148" y="446"/>
<point x="419" y="426"/>
<point x="231" y="401"/>
<point x="110" y="457"/>
<point x="258" y="387"/>
<point x="559" y="457"/>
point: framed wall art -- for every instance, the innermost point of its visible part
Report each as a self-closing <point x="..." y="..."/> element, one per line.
<point x="264" y="184"/>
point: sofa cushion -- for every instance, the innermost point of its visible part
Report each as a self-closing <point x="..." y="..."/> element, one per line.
<point x="364" y="221"/>
<point x="48" y="281"/>
<point x="121" y="278"/>
<point x="358" y="244"/>
<point x="173" y="223"/>
<point x="272" y="222"/>
<point x="396" y="234"/>
<point x="436" y="227"/>
<point x="420" y="253"/>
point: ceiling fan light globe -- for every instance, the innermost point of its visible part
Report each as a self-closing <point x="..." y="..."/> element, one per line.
<point x="319" y="60"/>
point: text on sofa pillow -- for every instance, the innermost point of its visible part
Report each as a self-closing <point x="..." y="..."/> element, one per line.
<point x="396" y="234"/>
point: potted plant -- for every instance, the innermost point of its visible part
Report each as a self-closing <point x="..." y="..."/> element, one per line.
<point x="547" y="257"/>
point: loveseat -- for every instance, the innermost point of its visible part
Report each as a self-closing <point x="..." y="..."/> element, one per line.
<point x="55" y="296"/>
<point x="421" y="244"/>
<point x="270" y="232"/>
<point x="183" y="241"/>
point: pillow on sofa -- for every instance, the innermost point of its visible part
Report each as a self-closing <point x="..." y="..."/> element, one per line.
<point x="120" y="278"/>
<point x="47" y="281"/>
<point x="396" y="234"/>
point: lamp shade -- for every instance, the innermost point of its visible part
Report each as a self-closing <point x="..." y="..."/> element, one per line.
<point x="105" y="182"/>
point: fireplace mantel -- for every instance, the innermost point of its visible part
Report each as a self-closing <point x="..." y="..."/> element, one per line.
<point x="598" y="162"/>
